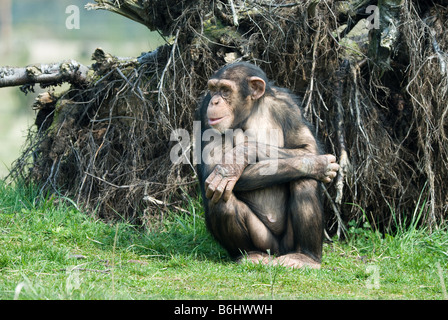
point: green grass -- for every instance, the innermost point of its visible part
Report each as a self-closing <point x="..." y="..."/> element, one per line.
<point x="41" y="238"/>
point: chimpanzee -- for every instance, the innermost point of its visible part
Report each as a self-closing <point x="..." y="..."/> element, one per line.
<point x="261" y="186"/>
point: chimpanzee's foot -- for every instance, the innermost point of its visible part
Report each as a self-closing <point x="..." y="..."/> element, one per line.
<point x="297" y="260"/>
<point x="255" y="257"/>
<point x="291" y="260"/>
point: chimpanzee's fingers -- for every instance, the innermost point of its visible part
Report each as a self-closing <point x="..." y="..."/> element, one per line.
<point x="209" y="180"/>
<point x="331" y="173"/>
<point x="219" y="190"/>
<point x="229" y="189"/>
<point x="326" y="180"/>
<point x="331" y="158"/>
<point x="334" y="167"/>
<point x="212" y="184"/>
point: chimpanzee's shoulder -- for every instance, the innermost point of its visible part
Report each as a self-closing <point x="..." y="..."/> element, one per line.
<point x="286" y="95"/>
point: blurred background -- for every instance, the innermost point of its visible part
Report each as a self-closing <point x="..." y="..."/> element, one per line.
<point x="48" y="31"/>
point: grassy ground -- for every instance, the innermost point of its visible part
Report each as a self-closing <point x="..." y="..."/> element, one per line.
<point x="50" y="250"/>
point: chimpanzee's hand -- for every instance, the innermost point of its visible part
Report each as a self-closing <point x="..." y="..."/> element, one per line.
<point x="222" y="180"/>
<point x="320" y="167"/>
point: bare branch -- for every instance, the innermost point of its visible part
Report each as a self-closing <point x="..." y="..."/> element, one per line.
<point x="343" y="157"/>
<point x="44" y="74"/>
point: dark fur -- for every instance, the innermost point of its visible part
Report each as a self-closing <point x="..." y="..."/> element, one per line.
<point x="224" y="220"/>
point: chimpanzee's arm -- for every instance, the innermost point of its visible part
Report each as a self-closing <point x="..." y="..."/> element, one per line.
<point x="276" y="171"/>
<point x="273" y="165"/>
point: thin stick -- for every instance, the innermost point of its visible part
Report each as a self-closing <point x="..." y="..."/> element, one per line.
<point x="162" y="78"/>
<point x="341" y="226"/>
<point x="235" y="17"/>
<point x="313" y="68"/>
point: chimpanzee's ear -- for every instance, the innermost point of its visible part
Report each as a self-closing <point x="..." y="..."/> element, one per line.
<point x="257" y="87"/>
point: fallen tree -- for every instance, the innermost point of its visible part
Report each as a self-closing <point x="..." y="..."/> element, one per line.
<point x="372" y="75"/>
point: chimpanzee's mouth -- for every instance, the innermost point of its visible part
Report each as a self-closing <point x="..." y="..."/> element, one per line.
<point x="214" y="121"/>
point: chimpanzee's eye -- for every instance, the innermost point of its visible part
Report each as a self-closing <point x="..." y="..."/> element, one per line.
<point x="225" y="92"/>
<point x="213" y="91"/>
